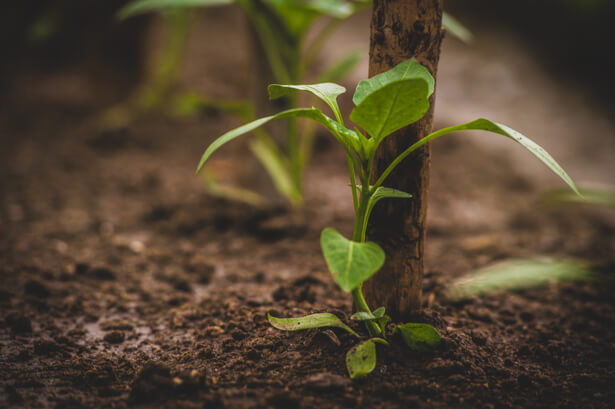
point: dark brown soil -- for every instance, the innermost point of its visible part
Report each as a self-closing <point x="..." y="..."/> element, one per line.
<point x="123" y="284"/>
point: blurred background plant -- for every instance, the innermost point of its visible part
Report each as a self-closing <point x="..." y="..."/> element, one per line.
<point x="285" y="45"/>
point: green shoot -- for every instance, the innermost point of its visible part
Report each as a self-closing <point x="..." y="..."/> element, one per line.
<point x="384" y="104"/>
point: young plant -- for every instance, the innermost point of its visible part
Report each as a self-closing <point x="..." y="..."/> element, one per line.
<point x="384" y="104"/>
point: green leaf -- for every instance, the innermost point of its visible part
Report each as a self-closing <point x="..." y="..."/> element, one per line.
<point x="407" y="70"/>
<point x="276" y="165"/>
<point x="392" y="100"/>
<point x="341" y="68"/>
<point x="311" y="113"/>
<point x="487" y="125"/>
<point x="327" y="91"/>
<point x="350" y="262"/>
<point x="379" y="312"/>
<point x="456" y="29"/>
<point x="297" y="16"/>
<point x="380" y="193"/>
<point x="420" y="337"/>
<point x="515" y="275"/>
<point x="362" y="316"/>
<point x="319" y="320"/>
<point x="361" y="359"/>
<point x="146" y="6"/>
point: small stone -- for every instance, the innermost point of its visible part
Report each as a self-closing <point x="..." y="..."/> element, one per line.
<point x="238" y="334"/>
<point x="102" y="273"/>
<point x="46" y="347"/>
<point x="115" y="337"/>
<point x="81" y="268"/>
<point x="18" y="323"/>
<point x="479" y="337"/>
<point x="36" y="288"/>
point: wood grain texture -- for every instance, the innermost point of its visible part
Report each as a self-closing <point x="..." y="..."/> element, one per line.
<point x="402" y="29"/>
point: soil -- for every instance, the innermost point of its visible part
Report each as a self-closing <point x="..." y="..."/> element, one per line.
<point x="125" y="285"/>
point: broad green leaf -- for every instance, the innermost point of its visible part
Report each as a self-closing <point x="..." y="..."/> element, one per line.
<point x="362" y="316"/>
<point x="420" y="337"/>
<point x="396" y="98"/>
<point x="487" y="125"/>
<point x="407" y="70"/>
<point x="327" y="92"/>
<point x="456" y="29"/>
<point x="146" y="6"/>
<point x="380" y="193"/>
<point x="361" y="359"/>
<point x="319" y="320"/>
<point x="515" y="275"/>
<point x="340" y="69"/>
<point x="311" y="113"/>
<point x="350" y="262"/>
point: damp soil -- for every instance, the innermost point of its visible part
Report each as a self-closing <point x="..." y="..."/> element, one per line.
<point x="124" y="284"/>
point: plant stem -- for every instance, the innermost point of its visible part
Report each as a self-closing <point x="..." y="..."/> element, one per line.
<point x="357" y="293"/>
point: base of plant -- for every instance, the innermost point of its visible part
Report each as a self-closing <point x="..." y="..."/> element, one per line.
<point x="361" y="358"/>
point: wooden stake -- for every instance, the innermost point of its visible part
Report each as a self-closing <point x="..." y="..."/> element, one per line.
<point x="402" y="29"/>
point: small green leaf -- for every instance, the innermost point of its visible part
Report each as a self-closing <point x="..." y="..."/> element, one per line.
<point x="396" y="98"/>
<point x="487" y="125"/>
<point x="327" y="91"/>
<point x="455" y="28"/>
<point x="420" y="337"/>
<point x="362" y="316"/>
<point x="361" y="359"/>
<point x="366" y="316"/>
<point x="350" y="262"/>
<point x="517" y="274"/>
<point x="380" y="193"/>
<point x="146" y="6"/>
<point x="379" y="312"/>
<point x="319" y="320"/>
<point x="312" y="113"/>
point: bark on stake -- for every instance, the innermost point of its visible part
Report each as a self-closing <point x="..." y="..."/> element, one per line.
<point x="401" y="29"/>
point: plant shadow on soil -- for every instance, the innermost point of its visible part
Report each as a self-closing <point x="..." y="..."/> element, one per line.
<point x="124" y="285"/>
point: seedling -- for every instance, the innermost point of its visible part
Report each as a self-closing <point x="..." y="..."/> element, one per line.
<point x="384" y="104"/>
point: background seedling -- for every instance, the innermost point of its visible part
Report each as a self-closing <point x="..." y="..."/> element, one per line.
<point x="384" y="104"/>
<point x="281" y="30"/>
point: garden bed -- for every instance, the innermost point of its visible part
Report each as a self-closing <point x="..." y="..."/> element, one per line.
<point x="124" y="284"/>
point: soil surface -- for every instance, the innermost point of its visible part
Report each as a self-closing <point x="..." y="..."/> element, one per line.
<point x="123" y="284"/>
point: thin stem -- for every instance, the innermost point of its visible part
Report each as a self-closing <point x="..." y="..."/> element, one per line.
<point x="411" y="149"/>
<point x="353" y="181"/>
<point x="357" y="293"/>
